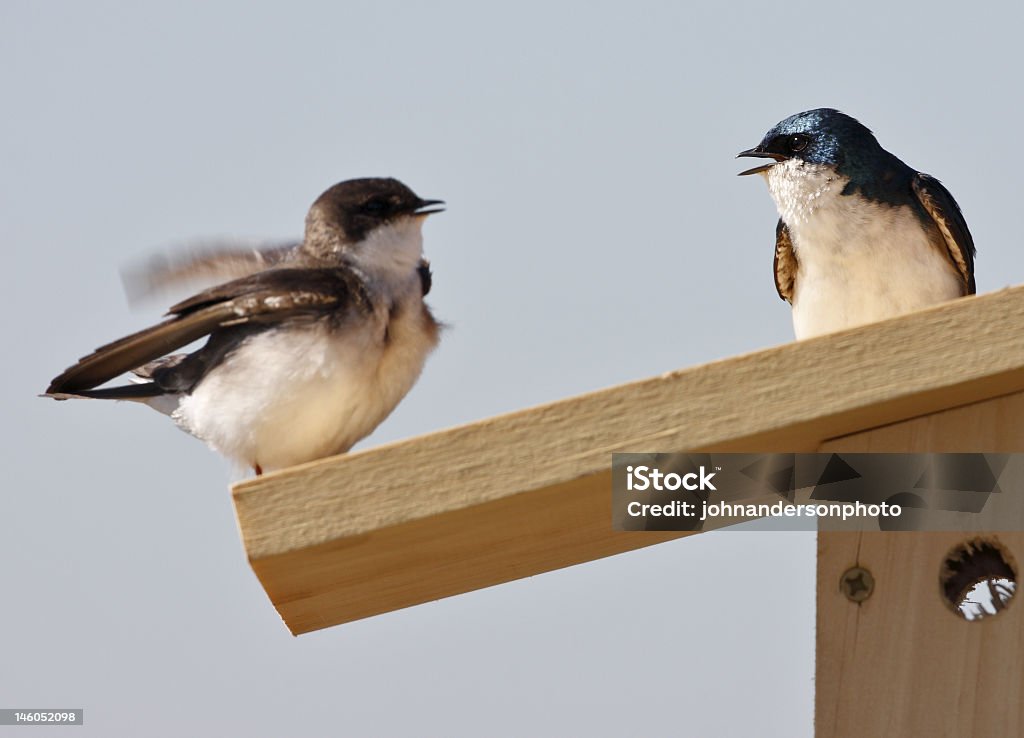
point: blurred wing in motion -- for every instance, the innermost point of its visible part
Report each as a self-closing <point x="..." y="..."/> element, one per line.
<point x="200" y="265"/>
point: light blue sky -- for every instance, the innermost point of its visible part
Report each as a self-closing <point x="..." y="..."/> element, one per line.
<point x="596" y="233"/>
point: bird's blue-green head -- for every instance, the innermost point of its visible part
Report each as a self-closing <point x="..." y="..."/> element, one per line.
<point x="829" y="138"/>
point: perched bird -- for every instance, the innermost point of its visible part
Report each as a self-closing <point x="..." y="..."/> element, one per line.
<point x="309" y="347"/>
<point x="862" y="236"/>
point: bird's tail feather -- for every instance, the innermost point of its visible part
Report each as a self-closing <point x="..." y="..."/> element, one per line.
<point x="141" y="392"/>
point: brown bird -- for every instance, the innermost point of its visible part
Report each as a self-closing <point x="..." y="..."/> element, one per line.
<point x="309" y="347"/>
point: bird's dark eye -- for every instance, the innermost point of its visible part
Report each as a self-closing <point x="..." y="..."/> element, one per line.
<point x="376" y="206"/>
<point x="798" y="142"/>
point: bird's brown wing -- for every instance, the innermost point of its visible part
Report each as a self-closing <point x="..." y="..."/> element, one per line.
<point x="945" y="213"/>
<point x="267" y="297"/>
<point x="785" y="262"/>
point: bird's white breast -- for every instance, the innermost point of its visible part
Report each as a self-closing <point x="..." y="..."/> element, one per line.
<point x="859" y="261"/>
<point x="290" y="395"/>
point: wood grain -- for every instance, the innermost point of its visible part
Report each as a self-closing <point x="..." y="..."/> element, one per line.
<point x="902" y="663"/>
<point x="528" y="492"/>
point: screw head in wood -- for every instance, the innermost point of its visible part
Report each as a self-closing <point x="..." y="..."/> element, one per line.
<point x="857" y="584"/>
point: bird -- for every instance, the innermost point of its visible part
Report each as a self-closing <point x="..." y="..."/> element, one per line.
<point x="309" y="346"/>
<point x="861" y="235"/>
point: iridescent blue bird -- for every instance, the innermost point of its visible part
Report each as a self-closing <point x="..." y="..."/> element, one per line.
<point x="861" y="236"/>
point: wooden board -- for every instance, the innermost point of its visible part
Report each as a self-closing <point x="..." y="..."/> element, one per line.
<point x="516" y="495"/>
<point x="902" y="663"/>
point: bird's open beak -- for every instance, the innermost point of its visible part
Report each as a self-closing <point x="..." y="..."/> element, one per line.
<point x="759" y="153"/>
<point x="424" y="208"/>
